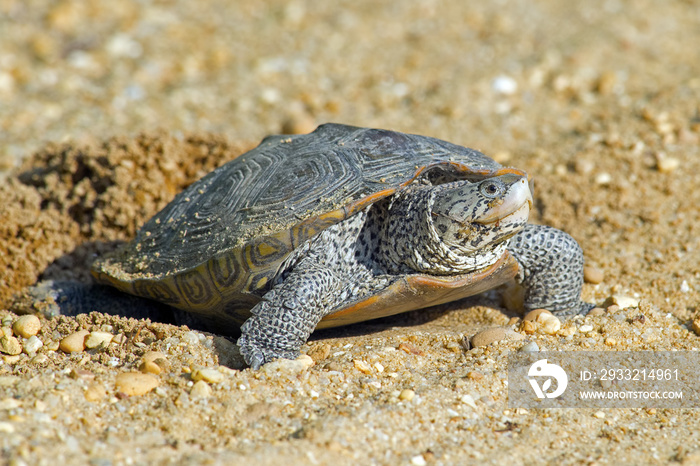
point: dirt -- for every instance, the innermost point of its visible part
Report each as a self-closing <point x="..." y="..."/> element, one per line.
<point x="108" y="113"/>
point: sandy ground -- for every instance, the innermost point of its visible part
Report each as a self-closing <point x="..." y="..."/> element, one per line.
<point x="108" y="110"/>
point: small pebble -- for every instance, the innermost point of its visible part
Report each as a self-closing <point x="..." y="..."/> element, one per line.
<point x="9" y="380"/>
<point x="624" y="301"/>
<point x="75" y="342"/>
<point x="154" y="362"/>
<point x="666" y="164"/>
<point x="533" y="315"/>
<point x="696" y="325"/>
<point x="207" y="374"/>
<point x="9" y="403"/>
<point x="504" y="85"/>
<point x="191" y="338"/>
<point x="599" y="414"/>
<point x="530" y="347"/>
<point x="611" y="341"/>
<point x="39" y="359"/>
<point x="149" y="367"/>
<point x="27" y="326"/>
<point x="135" y="383"/>
<point x="95" y="392"/>
<point x="32" y="345"/>
<point x="585" y="328"/>
<point x="79" y="374"/>
<point x="454" y="346"/>
<point x="362" y="366"/>
<point x="6" y="428"/>
<point x="10" y="345"/>
<point x="319" y="352"/>
<point x="119" y="339"/>
<point x="612" y="309"/>
<point x="52" y="345"/>
<point x="297" y="365"/>
<point x="474" y="375"/>
<point x="603" y="178"/>
<point x="410" y="349"/>
<point x="468" y="400"/>
<point x="406" y="394"/>
<point x="596" y="311"/>
<point x="200" y="389"/>
<point x="488" y="336"/>
<point x="593" y="275"/>
<point x="528" y="326"/>
<point x="11" y="359"/>
<point x="154" y="356"/>
<point x="98" y="340"/>
<point x="550" y="324"/>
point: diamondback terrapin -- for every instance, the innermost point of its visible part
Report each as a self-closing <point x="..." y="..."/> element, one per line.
<point x="338" y="226"/>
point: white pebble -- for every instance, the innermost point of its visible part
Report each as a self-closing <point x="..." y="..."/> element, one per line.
<point x="585" y="328"/>
<point x="10" y="403"/>
<point x="530" y="347"/>
<point x="190" y="338"/>
<point x="299" y="364"/>
<point x="624" y="301"/>
<point x="550" y="324"/>
<point x="468" y="400"/>
<point x="6" y="428"/>
<point x="685" y="287"/>
<point x="666" y="164"/>
<point x="603" y="178"/>
<point x="208" y="375"/>
<point x="32" y="345"/>
<point x="418" y="460"/>
<point x="504" y="85"/>
<point x="200" y="389"/>
<point x="362" y="366"/>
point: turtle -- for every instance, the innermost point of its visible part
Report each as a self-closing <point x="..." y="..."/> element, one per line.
<point x="342" y="225"/>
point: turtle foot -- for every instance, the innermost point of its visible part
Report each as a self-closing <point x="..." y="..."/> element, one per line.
<point x="551" y="270"/>
<point x="256" y="355"/>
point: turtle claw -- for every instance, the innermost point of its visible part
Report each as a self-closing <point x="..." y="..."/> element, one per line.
<point x="256" y="360"/>
<point x="256" y="355"/>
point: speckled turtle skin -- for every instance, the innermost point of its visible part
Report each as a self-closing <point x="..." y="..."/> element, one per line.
<point x="342" y="225"/>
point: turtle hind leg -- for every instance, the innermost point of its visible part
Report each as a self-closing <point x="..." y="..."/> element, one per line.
<point x="551" y="269"/>
<point x="287" y="315"/>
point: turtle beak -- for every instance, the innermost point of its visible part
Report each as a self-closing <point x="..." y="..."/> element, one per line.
<point x="518" y="199"/>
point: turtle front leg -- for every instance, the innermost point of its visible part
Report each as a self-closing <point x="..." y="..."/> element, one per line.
<point x="282" y="322"/>
<point x="551" y="269"/>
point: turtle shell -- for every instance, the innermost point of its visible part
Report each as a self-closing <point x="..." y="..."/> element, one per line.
<point x="215" y="249"/>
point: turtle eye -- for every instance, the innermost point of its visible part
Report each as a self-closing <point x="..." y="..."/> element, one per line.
<point x="491" y="188"/>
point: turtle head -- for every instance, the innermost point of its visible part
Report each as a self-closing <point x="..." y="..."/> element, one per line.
<point x="471" y="217"/>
